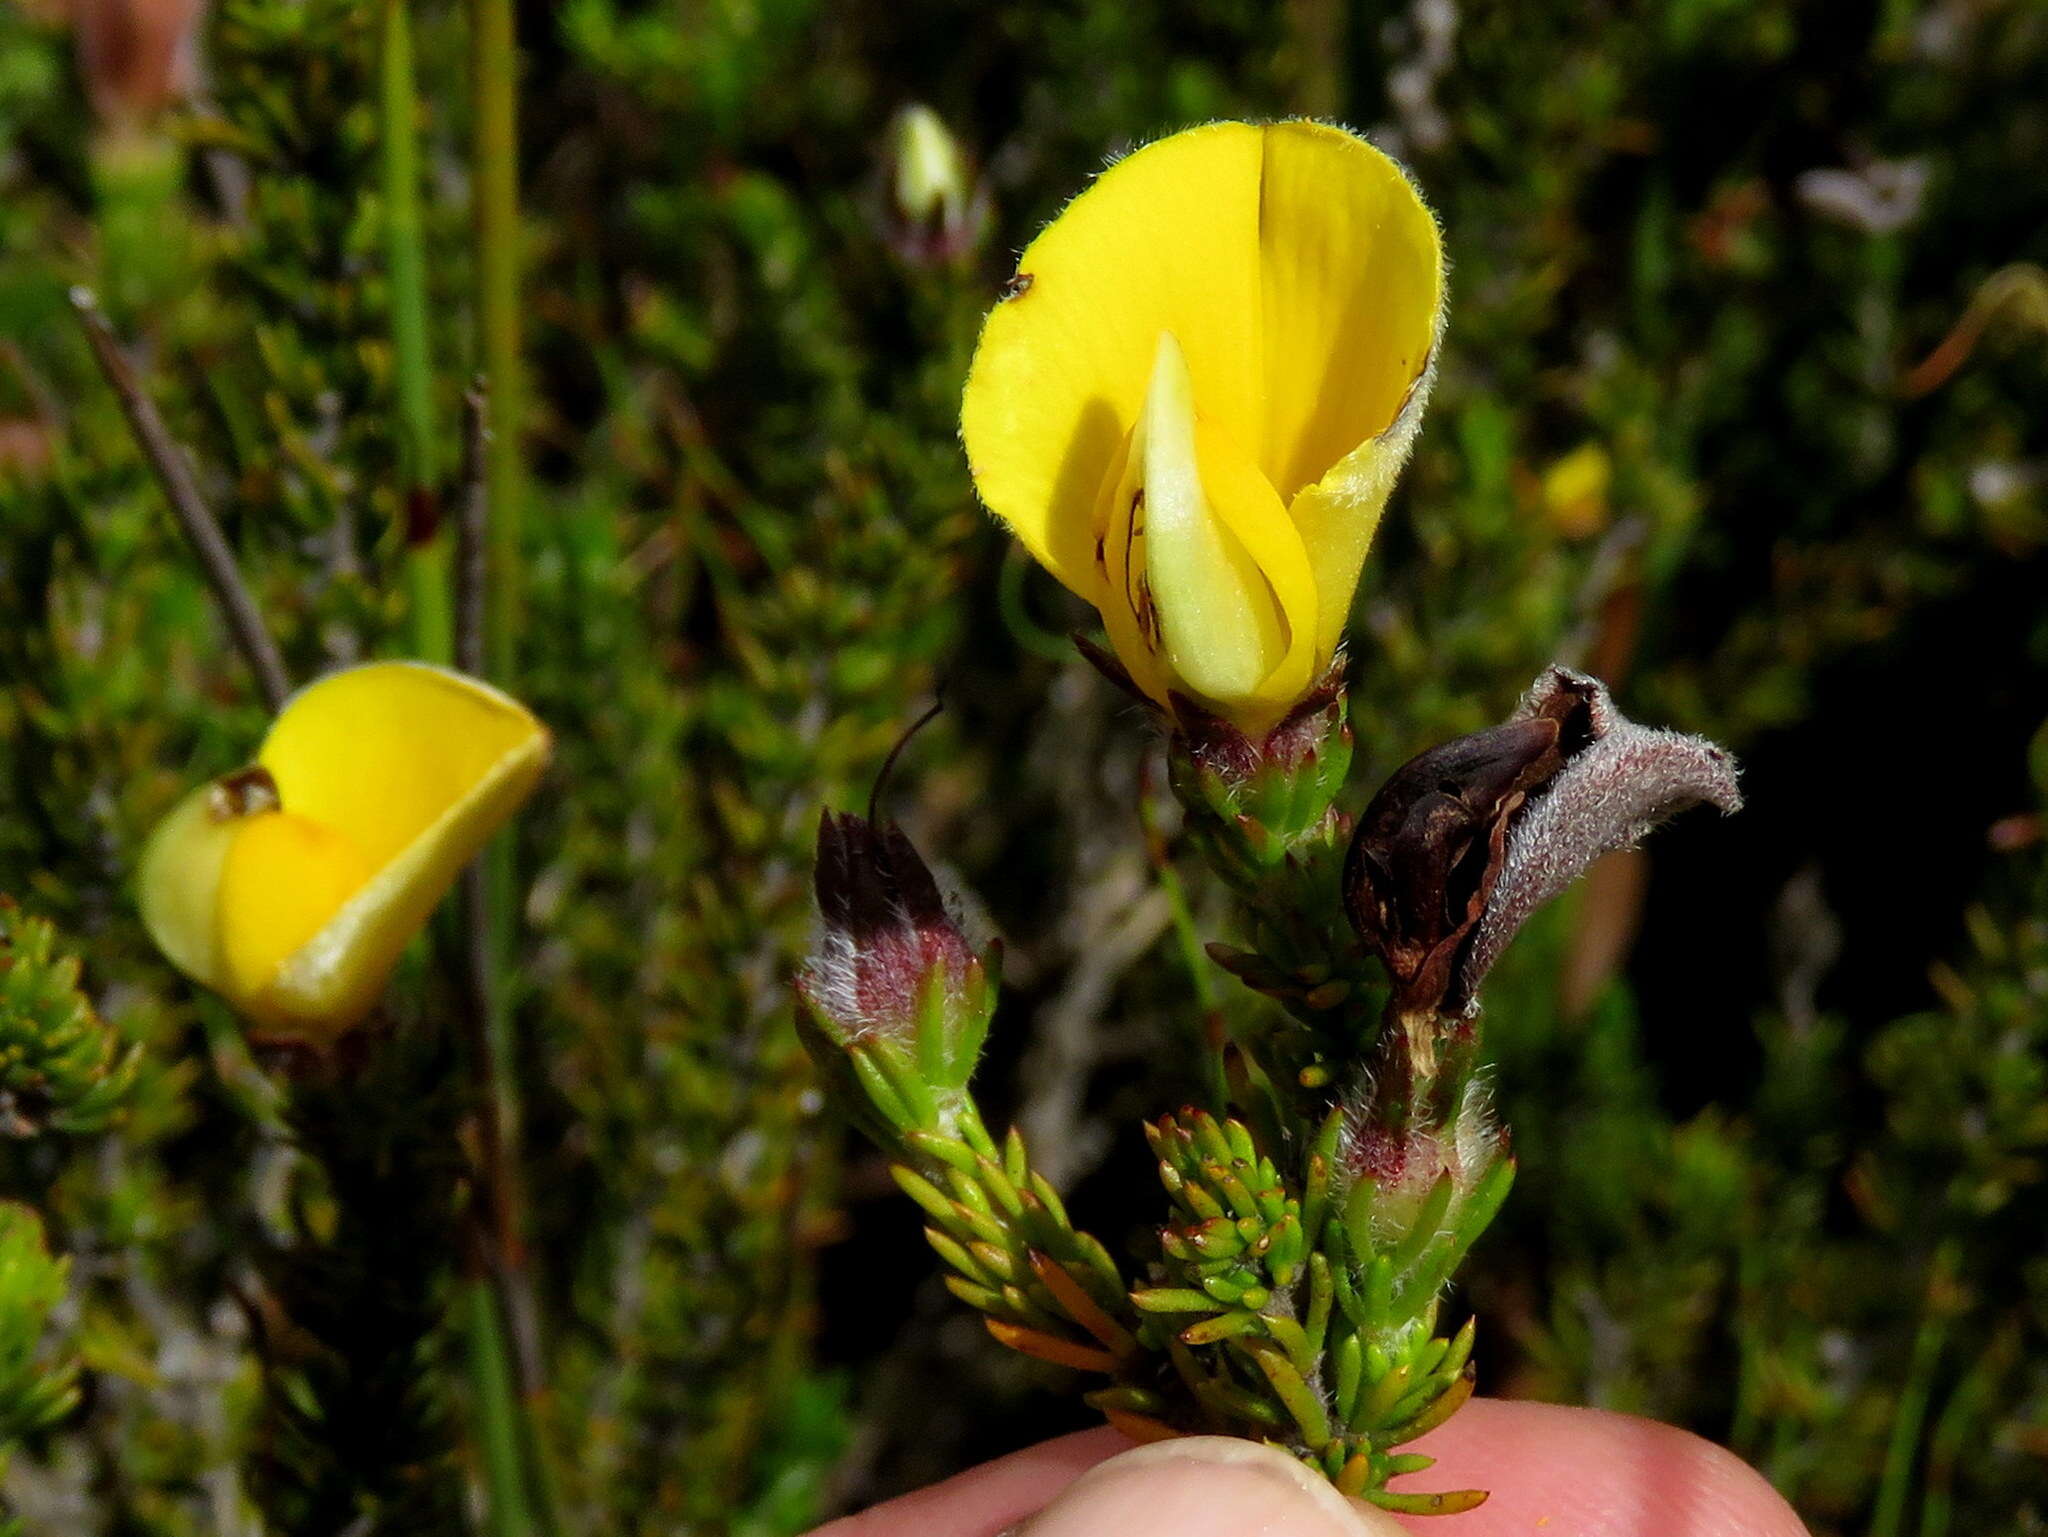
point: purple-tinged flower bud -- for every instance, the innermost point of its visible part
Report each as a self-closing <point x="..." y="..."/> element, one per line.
<point x="886" y="936"/>
<point x="137" y="56"/>
<point x="1467" y="840"/>
<point x="892" y="988"/>
<point x="1392" y="1171"/>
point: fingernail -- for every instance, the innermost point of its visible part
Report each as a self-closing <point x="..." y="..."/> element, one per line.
<point x="1205" y="1486"/>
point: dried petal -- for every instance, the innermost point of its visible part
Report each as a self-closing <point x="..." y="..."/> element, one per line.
<point x="1623" y="782"/>
<point x="1468" y="839"/>
<point x="1428" y="850"/>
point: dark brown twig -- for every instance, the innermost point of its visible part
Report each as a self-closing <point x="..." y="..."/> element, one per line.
<point x="472" y="530"/>
<point x="498" y="1195"/>
<point x="174" y="474"/>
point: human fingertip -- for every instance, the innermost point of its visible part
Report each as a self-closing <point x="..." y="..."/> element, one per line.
<point x="1196" y="1486"/>
<point x="1597" y="1474"/>
<point x="988" y="1498"/>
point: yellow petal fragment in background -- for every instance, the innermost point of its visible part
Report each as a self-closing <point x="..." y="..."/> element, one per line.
<point x="284" y="877"/>
<point x="1165" y="240"/>
<point x="178" y="882"/>
<point x="1351" y="271"/>
<point x="383" y="753"/>
<point x="417" y="766"/>
<point x="1574" y="491"/>
<point x="388" y="779"/>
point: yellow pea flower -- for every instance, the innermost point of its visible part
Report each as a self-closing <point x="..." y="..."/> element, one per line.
<point x="1194" y="397"/>
<point x="291" y="887"/>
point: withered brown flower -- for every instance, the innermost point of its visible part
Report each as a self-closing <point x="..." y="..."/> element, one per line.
<point x="1468" y="839"/>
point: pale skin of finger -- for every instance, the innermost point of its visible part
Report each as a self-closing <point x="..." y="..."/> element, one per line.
<point x="1558" y="1472"/>
<point x="1552" y="1472"/>
<point x="1205" y="1486"/>
<point x="988" y="1499"/>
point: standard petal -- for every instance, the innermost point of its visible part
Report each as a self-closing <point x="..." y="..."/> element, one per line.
<point x="384" y="752"/>
<point x="1165" y="240"/>
<point x="1351" y="284"/>
<point x="1351" y="270"/>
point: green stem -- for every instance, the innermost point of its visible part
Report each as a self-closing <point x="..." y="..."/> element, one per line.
<point x="497" y="1416"/>
<point x="1188" y="942"/>
<point x="494" y="83"/>
<point x="493" y="97"/>
<point x="1961" y="1425"/>
<point x="412" y="375"/>
<point x="426" y="581"/>
<point x="1914" y="1397"/>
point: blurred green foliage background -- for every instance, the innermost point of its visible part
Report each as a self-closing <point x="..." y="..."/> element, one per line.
<point x="1742" y="407"/>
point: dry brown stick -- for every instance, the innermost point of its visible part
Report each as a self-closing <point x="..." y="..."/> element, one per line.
<point x="472" y="531"/>
<point x="174" y="474"/>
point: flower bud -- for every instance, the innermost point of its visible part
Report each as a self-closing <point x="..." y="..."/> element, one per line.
<point x="1437" y="1177"/>
<point x="892" y="991"/>
<point x="137" y="56"/>
<point x="936" y="214"/>
<point x="886" y="936"/>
